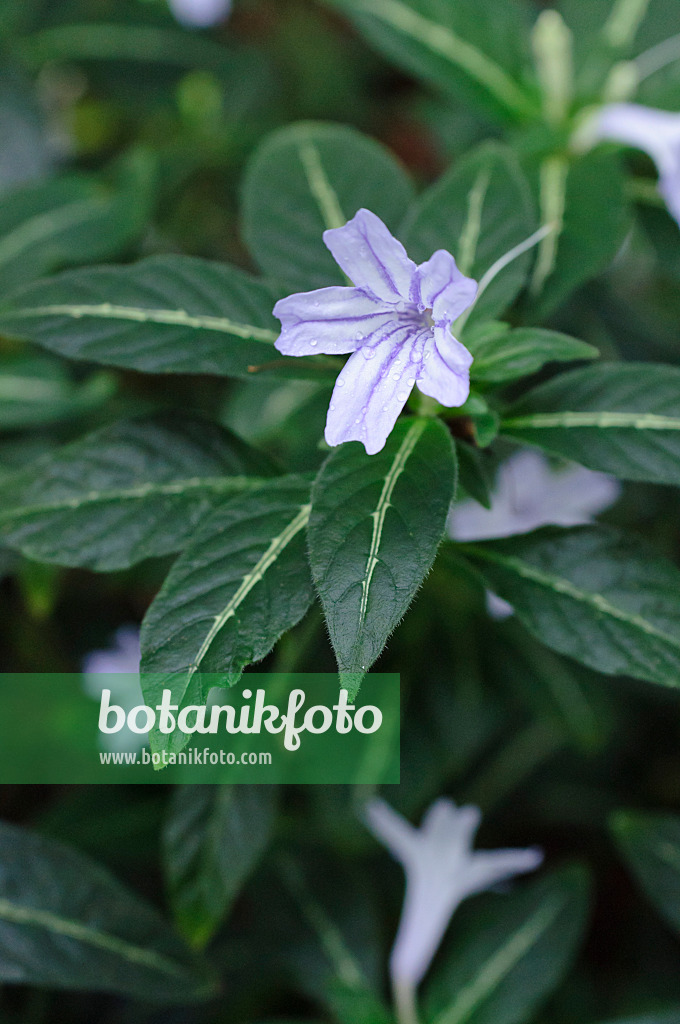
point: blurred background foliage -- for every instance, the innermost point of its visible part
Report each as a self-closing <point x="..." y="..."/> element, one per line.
<point x="124" y="135"/>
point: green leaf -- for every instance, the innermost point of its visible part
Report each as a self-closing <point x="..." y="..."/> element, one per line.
<point x="474" y="472"/>
<point x="306" y="178"/>
<point x="130" y="491"/>
<point x="66" y="923"/>
<point x="166" y="314"/>
<point x="596" y="219"/>
<point x="592" y="593"/>
<point x="510" y="951"/>
<point x="375" y="527"/>
<point x="213" y="839"/>
<point x="472" y="51"/>
<point x="36" y="391"/>
<point x="72" y="220"/>
<point x="502" y="354"/>
<point x="650" y="844"/>
<point x="478" y="211"/>
<point x="622" y="418"/>
<point x="238" y="586"/>
<point x="660" y="1017"/>
<point x="356" y="1004"/>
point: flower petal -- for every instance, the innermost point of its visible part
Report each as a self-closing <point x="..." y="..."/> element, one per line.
<point x="445" y="373"/>
<point x="488" y="867"/>
<point x="428" y="906"/>
<point x="372" y="389"/>
<point x="443" y="289"/>
<point x="392" y="829"/>
<point x="655" y="131"/>
<point x="329" y="320"/>
<point x="372" y="258"/>
<point x="448" y="829"/>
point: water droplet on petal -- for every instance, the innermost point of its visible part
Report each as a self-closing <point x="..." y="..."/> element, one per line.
<point x="314" y="343"/>
<point x="401" y="396"/>
<point x="332" y="407"/>
<point x="316" y="303"/>
<point x="395" y="376"/>
<point x="359" y="336"/>
<point x="385" y="408"/>
<point x="358" y="419"/>
<point x="411" y="381"/>
<point x="369" y="353"/>
<point x="339" y="383"/>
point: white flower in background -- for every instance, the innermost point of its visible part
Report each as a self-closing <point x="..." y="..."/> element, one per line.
<point x="123" y="659"/>
<point x="441" y="871"/>
<point x="200" y="13"/>
<point x="529" y="494"/>
<point x="657" y="132"/>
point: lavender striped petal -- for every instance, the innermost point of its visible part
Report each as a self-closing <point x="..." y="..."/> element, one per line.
<point x="443" y="289"/>
<point x="330" y="320"/>
<point x="372" y="389"/>
<point x="445" y="375"/>
<point x="372" y="258"/>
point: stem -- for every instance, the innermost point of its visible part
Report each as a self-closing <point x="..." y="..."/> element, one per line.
<point x="405" y="1005"/>
<point x="500" y="264"/>
<point x="658" y="57"/>
<point x="554" y="173"/>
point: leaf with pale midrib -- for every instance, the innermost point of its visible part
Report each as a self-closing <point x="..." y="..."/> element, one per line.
<point x="133" y="490"/>
<point x="66" y="923"/>
<point x="621" y="418"/>
<point x="593" y="593"/>
<point x="376" y="523"/>
<point x="308" y="177"/>
<point x="166" y="314"/>
<point x="509" y="951"/>
<point x="473" y="51"/>
<point x="240" y="584"/>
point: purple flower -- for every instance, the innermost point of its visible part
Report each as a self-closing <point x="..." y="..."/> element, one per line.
<point x="200" y="13"/>
<point x="121" y="661"/>
<point x="396" y="321"/>
<point x="657" y="132"/>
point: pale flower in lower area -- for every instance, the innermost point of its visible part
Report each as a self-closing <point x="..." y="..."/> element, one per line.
<point x="396" y="323"/>
<point x="442" y="870"/>
<point x="530" y="494"/>
<point x="657" y="132"/>
<point x="200" y="13"/>
<point x="120" y="661"/>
